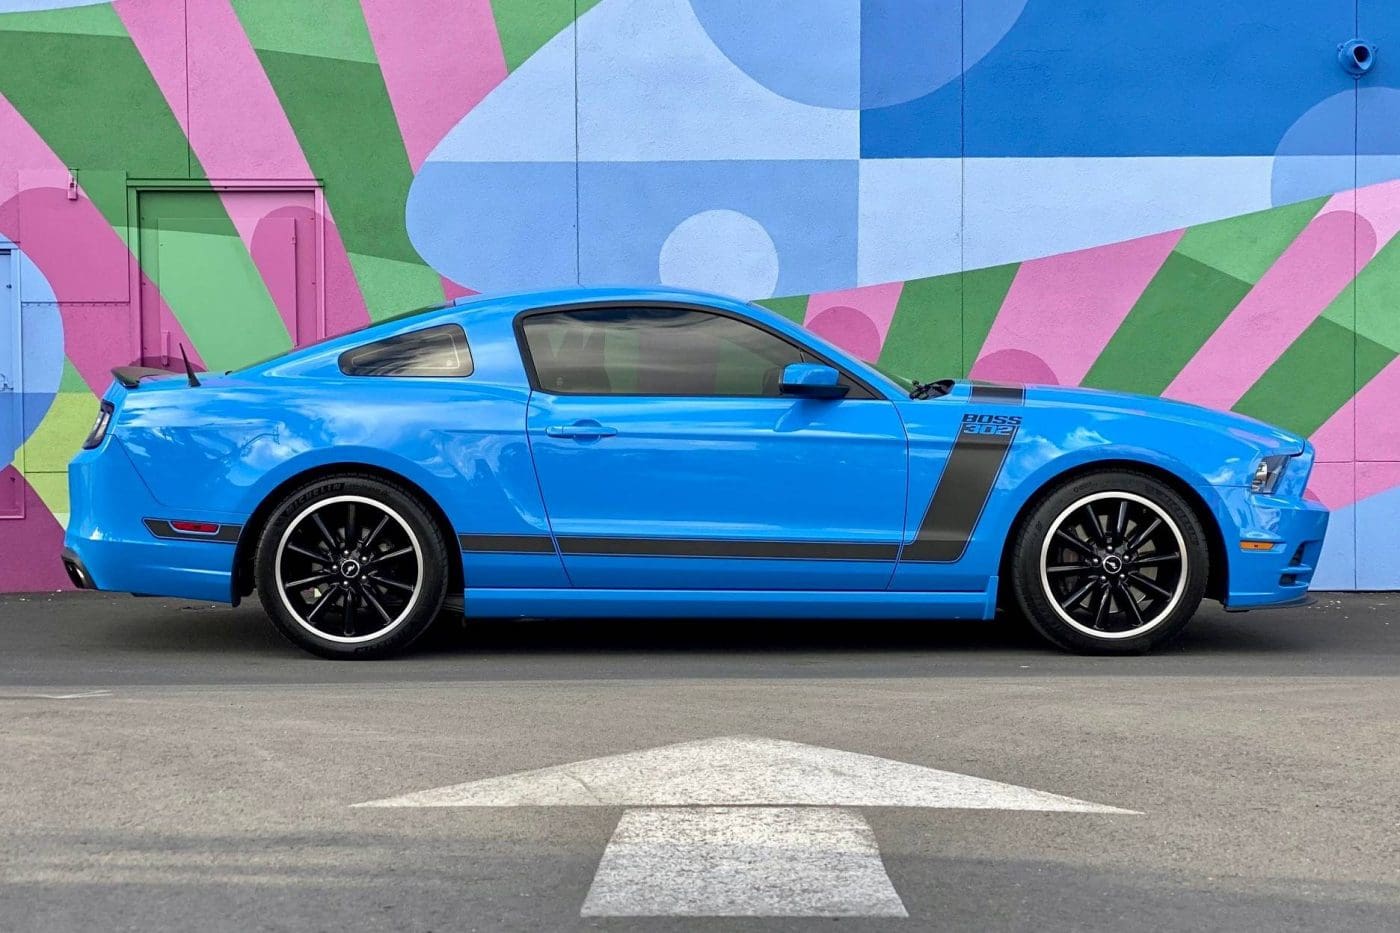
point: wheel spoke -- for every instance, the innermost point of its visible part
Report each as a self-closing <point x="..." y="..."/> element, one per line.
<point x="318" y="578"/>
<point x="381" y="558"/>
<point x="1155" y="559"/>
<point x="1121" y="527"/>
<point x="1133" y="606"/>
<point x="1077" y="595"/>
<point x="1143" y="583"/>
<point x="349" y="617"/>
<point x="1074" y="542"/>
<point x="319" y="558"/>
<point x="325" y="532"/>
<point x="350" y="536"/>
<point x="1102" y="611"/>
<point x="396" y="584"/>
<point x="1142" y="536"/>
<point x="369" y="597"/>
<point x="322" y="603"/>
<point x="384" y="520"/>
<point x="1095" y="525"/>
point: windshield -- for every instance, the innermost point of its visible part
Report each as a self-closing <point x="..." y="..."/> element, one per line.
<point x="899" y="379"/>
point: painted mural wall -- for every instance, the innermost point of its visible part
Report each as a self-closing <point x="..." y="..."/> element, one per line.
<point x="1191" y="199"/>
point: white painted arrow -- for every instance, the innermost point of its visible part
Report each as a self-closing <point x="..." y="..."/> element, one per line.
<point x="742" y="825"/>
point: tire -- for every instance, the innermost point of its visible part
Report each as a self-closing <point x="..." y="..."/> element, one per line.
<point x="1092" y="566"/>
<point x="351" y="567"/>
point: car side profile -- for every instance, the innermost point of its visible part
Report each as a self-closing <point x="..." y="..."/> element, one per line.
<point x="591" y="452"/>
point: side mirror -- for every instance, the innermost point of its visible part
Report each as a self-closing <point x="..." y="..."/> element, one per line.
<point x="812" y="380"/>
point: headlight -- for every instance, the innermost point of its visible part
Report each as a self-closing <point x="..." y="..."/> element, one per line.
<point x="1268" y="473"/>
<point x="99" y="427"/>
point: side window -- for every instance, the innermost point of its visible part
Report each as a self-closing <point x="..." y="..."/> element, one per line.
<point x="655" y="351"/>
<point x="433" y="351"/>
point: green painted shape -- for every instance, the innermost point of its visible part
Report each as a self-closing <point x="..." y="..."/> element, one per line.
<point x="94" y="102"/>
<point x="525" y="25"/>
<point x="52" y="489"/>
<point x="329" y="28"/>
<point x="70" y="380"/>
<point x="924" y="340"/>
<point x="794" y="308"/>
<point x="983" y="290"/>
<point x="1245" y="247"/>
<point x="60" y="434"/>
<point x="345" y="123"/>
<point x="1313" y="378"/>
<point x="1377" y="291"/>
<point x="390" y="287"/>
<point x="96" y="20"/>
<point x="1178" y="311"/>
<point x="193" y="253"/>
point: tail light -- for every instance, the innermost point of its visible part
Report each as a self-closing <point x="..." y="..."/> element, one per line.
<point x="99" y="427"/>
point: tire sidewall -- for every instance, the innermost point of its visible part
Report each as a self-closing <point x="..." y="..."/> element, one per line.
<point x="407" y="506"/>
<point x="1029" y="590"/>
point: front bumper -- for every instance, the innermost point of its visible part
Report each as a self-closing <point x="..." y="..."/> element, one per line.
<point x="109" y="546"/>
<point x="1279" y="576"/>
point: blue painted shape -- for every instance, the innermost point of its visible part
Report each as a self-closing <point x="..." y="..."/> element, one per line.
<point x="1105" y="78"/>
<point x="1377" y="558"/>
<point x="496" y="225"/>
<point x="33" y="367"/>
<point x="763" y="486"/>
<point x="807" y="208"/>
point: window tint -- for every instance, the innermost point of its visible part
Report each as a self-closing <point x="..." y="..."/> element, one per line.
<point x="655" y="351"/>
<point x="433" y="351"/>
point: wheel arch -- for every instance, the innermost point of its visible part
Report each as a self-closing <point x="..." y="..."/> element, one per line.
<point x="246" y="549"/>
<point x="1217" y="559"/>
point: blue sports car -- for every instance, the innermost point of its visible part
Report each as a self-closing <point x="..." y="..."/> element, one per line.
<point x="651" y="452"/>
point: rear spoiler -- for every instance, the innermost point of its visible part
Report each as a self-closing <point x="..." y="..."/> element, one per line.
<point x="131" y="376"/>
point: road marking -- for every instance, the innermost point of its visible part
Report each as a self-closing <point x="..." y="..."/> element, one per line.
<point x="742" y="825"/>
<point x="73" y="696"/>
<point x="742" y="862"/>
<point x="739" y="771"/>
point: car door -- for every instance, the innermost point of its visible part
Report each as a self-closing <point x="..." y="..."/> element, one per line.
<point x="668" y="458"/>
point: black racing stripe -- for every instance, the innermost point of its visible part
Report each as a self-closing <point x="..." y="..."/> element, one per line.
<point x="161" y="528"/>
<point x="1005" y="393"/>
<point x="956" y="505"/>
<point x="713" y="547"/>
<point x="507" y="544"/>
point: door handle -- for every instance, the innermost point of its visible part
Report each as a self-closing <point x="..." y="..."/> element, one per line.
<point x="583" y="430"/>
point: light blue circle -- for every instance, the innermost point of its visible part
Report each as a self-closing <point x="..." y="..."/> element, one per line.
<point x="720" y="251"/>
<point x="1351" y="139"/>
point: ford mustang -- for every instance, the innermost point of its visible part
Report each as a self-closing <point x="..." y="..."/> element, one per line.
<point x="662" y="453"/>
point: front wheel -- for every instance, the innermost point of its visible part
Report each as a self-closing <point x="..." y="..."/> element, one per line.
<point x="351" y="567"/>
<point x="1110" y="563"/>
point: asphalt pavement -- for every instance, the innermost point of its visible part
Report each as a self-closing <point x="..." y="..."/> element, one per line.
<point x="169" y="765"/>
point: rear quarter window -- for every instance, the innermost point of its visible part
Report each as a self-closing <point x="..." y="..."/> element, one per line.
<point x="434" y="351"/>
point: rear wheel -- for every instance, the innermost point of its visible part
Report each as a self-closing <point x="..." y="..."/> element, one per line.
<point x="351" y="567"/>
<point x="1110" y="563"/>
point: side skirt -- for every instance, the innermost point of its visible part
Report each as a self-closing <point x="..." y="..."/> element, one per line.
<point x="729" y="604"/>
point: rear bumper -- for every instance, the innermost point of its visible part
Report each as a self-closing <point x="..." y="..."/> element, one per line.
<point x="109" y="545"/>
<point x="1280" y="575"/>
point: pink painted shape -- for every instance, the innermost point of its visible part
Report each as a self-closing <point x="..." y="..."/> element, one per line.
<point x="1309" y="275"/>
<point x="1336" y="439"/>
<point x="158" y="29"/>
<point x="238" y="129"/>
<point x="31" y="544"/>
<point x="1333" y="484"/>
<point x="1374" y="406"/>
<point x="1375" y="477"/>
<point x="439" y="59"/>
<point x="274" y="254"/>
<point x="1380" y="206"/>
<point x="849" y="329"/>
<point x="1016" y="366"/>
<point x="454" y="291"/>
<point x="876" y="302"/>
<point x="1064" y="308"/>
